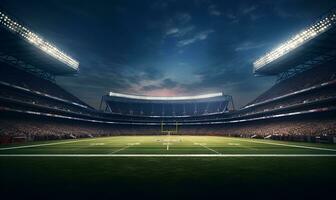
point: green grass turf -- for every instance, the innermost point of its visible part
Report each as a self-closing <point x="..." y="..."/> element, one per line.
<point x="173" y="177"/>
<point x="168" y="145"/>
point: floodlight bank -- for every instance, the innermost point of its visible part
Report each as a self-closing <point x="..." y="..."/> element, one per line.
<point x="203" y="96"/>
<point x="37" y="41"/>
<point x="298" y="40"/>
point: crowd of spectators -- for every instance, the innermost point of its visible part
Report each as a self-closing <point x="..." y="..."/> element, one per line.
<point x="297" y="129"/>
<point x="30" y="129"/>
<point x="316" y="96"/>
<point x="21" y="78"/>
<point x="310" y="130"/>
<point x="303" y="80"/>
<point x="306" y="79"/>
<point x="26" y="97"/>
<point x="26" y="129"/>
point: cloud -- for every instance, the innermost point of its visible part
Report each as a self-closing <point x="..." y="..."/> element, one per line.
<point x="178" y="20"/>
<point x="251" y="12"/>
<point x="179" y="32"/>
<point x="166" y="83"/>
<point x="198" y="37"/>
<point x="246" y="12"/>
<point x="249" y="9"/>
<point x="172" y="31"/>
<point x="183" y="31"/>
<point x="249" y="46"/>
<point x="178" y="25"/>
<point x="169" y="83"/>
<point x="186" y="42"/>
<point x="232" y="17"/>
<point x="93" y="82"/>
<point x="232" y="77"/>
<point x="183" y="18"/>
<point x="213" y="10"/>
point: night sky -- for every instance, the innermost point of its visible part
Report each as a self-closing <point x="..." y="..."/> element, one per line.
<point x="166" y="48"/>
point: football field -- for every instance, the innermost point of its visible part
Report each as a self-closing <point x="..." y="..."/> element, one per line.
<point x="168" y="146"/>
<point x="176" y="166"/>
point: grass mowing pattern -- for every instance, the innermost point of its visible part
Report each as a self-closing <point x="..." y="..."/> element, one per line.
<point x="90" y="178"/>
<point x="168" y="145"/>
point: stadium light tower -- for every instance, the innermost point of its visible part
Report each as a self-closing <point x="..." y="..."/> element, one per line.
<point x="37" y="41"/>
<point x="324" y="24"/>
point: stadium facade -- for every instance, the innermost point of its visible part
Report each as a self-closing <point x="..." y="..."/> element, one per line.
<point x="300" y="106"/>
<point x="181" y="106"/>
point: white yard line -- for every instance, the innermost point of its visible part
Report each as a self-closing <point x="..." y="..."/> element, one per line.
<point x="168" y="155"/>
<point x="287" y="145"/>
<point x="204" y="146"/>
<point x="209" y="148"/>
<point x="168" y="142"/>
<point x="167" y="145"/>
<point x="41" y="145"/>
<point x="125" y="147"/>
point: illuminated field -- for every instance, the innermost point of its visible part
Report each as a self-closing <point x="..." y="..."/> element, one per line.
<point x="171" y="145"/>
<point x="177" y="166"/>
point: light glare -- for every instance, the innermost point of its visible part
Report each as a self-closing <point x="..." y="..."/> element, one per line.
<point x="37" y="41"/>
<point x="296" y="41"/>
<point x="204" y="96"/>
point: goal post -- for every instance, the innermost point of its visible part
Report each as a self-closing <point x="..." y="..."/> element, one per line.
<point x="169" y="128"/>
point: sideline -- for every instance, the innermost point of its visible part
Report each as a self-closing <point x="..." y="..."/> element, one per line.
<point x="168" y="155"/>
<point x="47" y="144"/>
<point x="287" y="145"/>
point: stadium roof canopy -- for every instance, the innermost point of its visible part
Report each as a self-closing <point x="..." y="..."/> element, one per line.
<point x="312" y="46"/>
<point x="19" y="44"/>
<point x="176" y="106"/>
<point x="112" y="96"/>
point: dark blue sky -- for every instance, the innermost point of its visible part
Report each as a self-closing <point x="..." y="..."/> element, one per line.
<point x="164" y="48"/>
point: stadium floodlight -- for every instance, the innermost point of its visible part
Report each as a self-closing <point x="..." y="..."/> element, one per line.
<point x="179" y="98"/>
<point x="37" y="41"/>
<point x="296" y="41"/>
